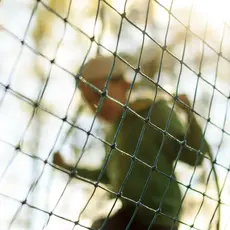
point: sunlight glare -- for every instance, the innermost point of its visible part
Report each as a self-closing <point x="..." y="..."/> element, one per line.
<point x="217" y="10"/>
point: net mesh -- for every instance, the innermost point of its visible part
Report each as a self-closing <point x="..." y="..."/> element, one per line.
<point x="44" y="45"/>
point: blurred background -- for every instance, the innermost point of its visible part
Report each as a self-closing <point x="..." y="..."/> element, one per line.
<point x="43" y="45"/>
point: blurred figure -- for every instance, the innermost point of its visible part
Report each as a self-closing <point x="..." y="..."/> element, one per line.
<point x="140" y="165"/>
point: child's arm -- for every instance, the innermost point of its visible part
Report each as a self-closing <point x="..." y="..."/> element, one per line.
<point x="86" y="173"/>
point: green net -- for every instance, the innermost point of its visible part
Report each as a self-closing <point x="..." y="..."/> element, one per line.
<point x="55" y="152"/>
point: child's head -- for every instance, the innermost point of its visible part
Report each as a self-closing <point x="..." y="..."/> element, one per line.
<point x="96" y="72"/>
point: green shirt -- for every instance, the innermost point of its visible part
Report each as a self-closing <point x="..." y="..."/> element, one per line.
<point x="151" y="147"/>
